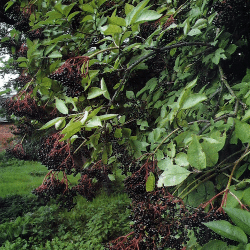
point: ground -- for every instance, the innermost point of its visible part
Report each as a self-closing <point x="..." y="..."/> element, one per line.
<point x="6" y="136"/>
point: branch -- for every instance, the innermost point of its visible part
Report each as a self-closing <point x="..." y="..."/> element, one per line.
<point x="154" y="52"/>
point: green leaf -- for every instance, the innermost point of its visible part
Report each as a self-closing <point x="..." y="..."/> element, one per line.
<point x="211" y="153"/>
<point x="215" y="245"/>
<point x="72" y="15"/>
<point x="242" y="131"/>
<point x="200" y="23"/>
<point x="60" y="105"/>
<point x="219" y="53"/>
<point x="87" y="8"/>
<point x="95" y="92"/>
<point x="173" y="175"/>
<point x="231" y="49"/>
<point x="107" y="117"/>
<point x="55" y="54"/>
<point x="51" y="123"/>
<point x="94" y="123"/>
<point x="111" y="29"/>
<point x="227" y="230"/>
<point x="71" y="129"/>
<point x="104" y="88"/>
<point x="60" y="124"/>
<point x="8" y="90"/>
<point x="196" y="156"/>
<point x="240" y="218"/>
<point x="193" y="100"/>
<point x="181" y="159"/>
<point x="194" y="32"/>
<point x="130" y="94"/>
<point x="150" y="183"/>
<point x="246" y="116"/>
<point x="135" y="12"/>
<point x="147" y="15"/>
<point x="117" y="21"/>
<point x="165" y="163"/>
<point x="118" y="133"/>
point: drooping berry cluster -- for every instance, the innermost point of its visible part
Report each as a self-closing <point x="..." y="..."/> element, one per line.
<point x="25" y="128"/>
<point x="156" y="224"/>
<point x="56" y="189"/>
<point x="135" y="184"/>
<point x="71" y="73"/>
<point x="23" y="104"/>
<point x="87" y="187"/>
<point x="233" y="15"/>
<point x="18" y="152"/>
<point x="22" y="23"/>
<point x="22" y="80"/>
<point x="56" y="154"/>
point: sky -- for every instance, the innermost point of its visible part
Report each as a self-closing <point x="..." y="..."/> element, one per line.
<point x="4" y="79"/>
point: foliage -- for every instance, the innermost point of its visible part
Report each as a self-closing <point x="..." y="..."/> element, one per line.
<point x="158" y="89"/>
<point x="50" y="228"/>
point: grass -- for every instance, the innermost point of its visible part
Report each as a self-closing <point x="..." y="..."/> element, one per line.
<point x="19" y="177"/>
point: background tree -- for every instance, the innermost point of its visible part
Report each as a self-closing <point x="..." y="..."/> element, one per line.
<point x="158" y="89"/>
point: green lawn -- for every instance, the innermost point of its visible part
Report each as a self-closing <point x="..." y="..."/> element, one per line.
<point x="21" y="177"/>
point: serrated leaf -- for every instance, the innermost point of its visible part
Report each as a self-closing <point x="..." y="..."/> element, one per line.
<point x="173" y="175"/>
<point x="71" y="129"/>
<point x="150" y="183"/>
<point x="193" y="100"/>
<point x="196" y="156"/>
<point x="95" y="92"/>
<point x="226" y="229"/>
<point x="60" y="105"/>
<point x="51" y="123"/>
<point x="240" y="218"/>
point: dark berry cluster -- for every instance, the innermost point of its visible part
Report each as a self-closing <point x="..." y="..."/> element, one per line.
<point x="87" y="187"/>
<point x="195" y="221"/>
<point x="22" y="80"/>
<point x="135" y="184"/>
<point x="18" y="152"/>
<point x="23" y="104"/>
<point x="25" y="128"/>
<point x="156" y="224"/>
<point x="56" y="154"/>
<point x="22" y="23"/>
<point x="71" y="73"/>
<point x="136" y="109"/>
<point x="22" y="52"/>
<point x="233" y="15"/>
<point x="35" y="34"/>
<point x="56" y="189"/>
